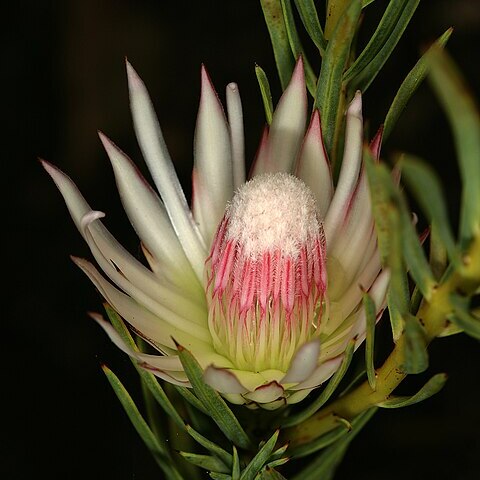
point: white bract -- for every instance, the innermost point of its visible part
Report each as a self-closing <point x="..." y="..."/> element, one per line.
<point x="261" y="280"/>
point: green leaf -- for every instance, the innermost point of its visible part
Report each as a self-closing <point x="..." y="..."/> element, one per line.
<point x="371" y="316"/>
<point x="212" y="447"/>
<point x="433" y="386"/>
<point x="464" y="119"/>
<point x="160" y="455"/>
<point x="148" y="378"/>
<point x="366" y="76"/>
<point x="309" y="17"/>
<point x="377" y="40"/>
<point x="272" y="11"/>
<point x="409" y="86"/>
<point x="265" y="92"/>
<point x="415" y="347"/>
<point x="259" y="460"/>
<point x="329" y="85"/>
<point x="207" y="462"/>
<point x="235" y="465"/>
<point x="462" y="318"/>
<point x="269" y="473"/>
<point x="220" y="476"/>
<point x="213" y="402"/>
<point x="327" y="392"/>
<point x="191" y="398"/>
<point x="426" y="187"/>
<point x="324" y="466"/>
<point x="438" y="254"/>
<point x="296" y="45"/>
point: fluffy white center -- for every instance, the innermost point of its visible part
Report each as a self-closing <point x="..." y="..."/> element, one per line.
<point x="272" y="211"/>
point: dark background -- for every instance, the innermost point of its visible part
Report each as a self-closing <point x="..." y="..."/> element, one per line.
<point x="63" y="78"/>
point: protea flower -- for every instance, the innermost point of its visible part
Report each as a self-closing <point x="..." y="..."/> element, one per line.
<point x="261" y="280"/>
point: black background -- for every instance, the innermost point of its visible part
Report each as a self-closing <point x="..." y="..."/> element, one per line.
<point x="63" y="78"/>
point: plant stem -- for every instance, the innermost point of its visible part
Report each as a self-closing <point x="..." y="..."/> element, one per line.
<point x="433" y="316"/>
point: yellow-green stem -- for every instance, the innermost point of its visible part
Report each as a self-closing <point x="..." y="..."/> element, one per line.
<point x="433" y="316"/>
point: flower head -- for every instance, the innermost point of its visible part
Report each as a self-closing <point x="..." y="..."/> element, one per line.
<point x="261" y="280"/>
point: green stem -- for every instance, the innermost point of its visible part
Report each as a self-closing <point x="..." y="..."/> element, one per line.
<point x="433" y="316"/>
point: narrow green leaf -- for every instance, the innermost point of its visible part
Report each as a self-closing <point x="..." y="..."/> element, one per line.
<point x="207" y="462"/>
<point x="464" y="119"/>
<point x="309" y="16"/>
<point x="324" y="465"/>
<point x="213" y="402"/>
<point x="363" y="80"/>
<point x="280" y="452"/>
<point x="269" y="473"/>
<point x="212" y="447"/>
<point x="371" y="316"/>
<point x="265" y="92"/>
<point x="219" y="476"/>
<point x="327" y="392"/>
<point x="259" y="460"/>
<point x="335" y="11"/>
<point x="191" y="398"/>
<point x="272" y="11"/>
<point x="321" y="442"/>
<point x="148" y="378"/>
<point x="426" y="187"/>
<point x="277" y="463"/>
<point x="433" y="386"/>
<point x="409" y="86"/>
<point x="415" y="347"/>
<point x="366" y="2"/>
<point x="296" y="45"/>
<point x="160" y="455"/>
<point x="378" y="39"/>
<point x="329" y="85"/>
<point x="438" y="253"/>
<point x="462" y="318"/>
<point x="235" y="465"/>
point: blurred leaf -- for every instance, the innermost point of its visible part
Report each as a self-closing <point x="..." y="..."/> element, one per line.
<point x="415" y="347"/>
<point x="309" y="16"/>
<point x="371" y="317"/>
<point x="160" y="455"/>
<point x="259" y="460"/>
<point x="409" y="86"/>
<point x="329" y="85"/>
<point x="335" y="10"/>
<point x="266" y="93"/>
<point x="327" y="392"/>
<point x="213" y="402"/>
<point x="426" y="187"/>
<point x="212" y="447"/>
<point x="272" y="11"/>
<point x="324" y="466"/>
<point x="433" y="386"/>
<point x="220" y="476"/>
<point x="438" y="253"/>
<point x="366" y="75"/>
<point x="207" y="462"/>
<point x="462" y="317"/>
<point x="464" y="119"/>
<point x="296" y="46"/>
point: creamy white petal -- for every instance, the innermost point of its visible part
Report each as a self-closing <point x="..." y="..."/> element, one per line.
<point x="158" y="159"/>
<point x="212" y="160"/>
<point x="351" y="162"/>
<point x="148" y="216"/>
<point x="322" y="373"/>
<point x="159" y="325"/>
<point x="237" y="136"/>
<point x="313" y="166"/>
<point x="223" y="380"/>
<point x="304" y="363"/>
<point x="288" y="126"/>
<point x="266" y="393"/>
